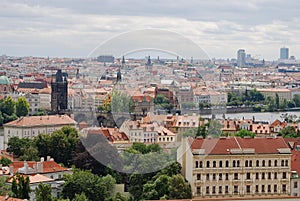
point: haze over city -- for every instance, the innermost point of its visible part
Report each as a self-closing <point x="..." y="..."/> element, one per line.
<point x="73" y="29"/>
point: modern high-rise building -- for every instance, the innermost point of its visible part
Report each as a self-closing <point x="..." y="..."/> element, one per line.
<point x="241" y="57"/>
<point x="284" y="53"/>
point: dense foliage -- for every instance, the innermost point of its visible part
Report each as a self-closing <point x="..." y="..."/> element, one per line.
<point x="243" y="133"/>
<point x="43" y="192"/>
<point x="167" y="183"/>
<point x="60" y="145"/>
<point x="163" y="102"/>
<point x="94" y="187"/>
<point x="11" y="110"/>
<point x="20" y="186"/>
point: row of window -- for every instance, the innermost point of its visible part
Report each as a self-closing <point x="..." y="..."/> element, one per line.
<point x="145" y="134"/>
<point x="248" y="163"/>
<point x="258" y="189"/>
<point x="236" y="176"/>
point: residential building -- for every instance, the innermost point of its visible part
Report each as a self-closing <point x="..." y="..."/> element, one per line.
<point x="271" y="92"/>
<point x="113" y="135"/>
<point x="236" y="167"/>
<point x="34" y="102"/>
<point x="45" y="98"/>
<point x="142" y="104"/>
<point x="46" y="172"/>
<point x="31" y="126"/>
<point x="294" y="144"/>
<point x="148" y="132"/>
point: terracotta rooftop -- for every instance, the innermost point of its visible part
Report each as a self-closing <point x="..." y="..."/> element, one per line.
<point x="48" y="166"/>
<point x="294" y="144"/>
<point x="223" y="146"/>
<point x="37" y="178"/>
<point x="42" y="120"/>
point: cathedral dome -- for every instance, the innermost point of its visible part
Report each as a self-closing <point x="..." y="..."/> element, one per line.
<point x="4" y="80"/>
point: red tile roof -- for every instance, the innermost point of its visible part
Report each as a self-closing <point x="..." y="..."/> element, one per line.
<point x="112" y="134"/>
<point x="222" y="146"/>
<point x="42" y="120"/>
<point x="294" y="144"/>
<point x="48" y="166"/>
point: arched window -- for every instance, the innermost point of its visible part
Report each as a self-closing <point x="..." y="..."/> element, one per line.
<point x="214" y="163"/>
<point x="201" y="164"/>
<point x="282" y="162"/>
<point x="220" y="164"/>
<point x="275" y="163"/>
<point x="263" y="163"/>
<point x="233" y="163"/>
<point x="246" y="163"/>
<point x="227" y="164"/>
<point x="257" y="163"/>
<point x="286" y="163"/>
<point x="197" y="164"/>
<point x="270" y="163"/>
<point x="250" y="163"/>
<point x="207" y="164"/>
<point x="238" y="164"/>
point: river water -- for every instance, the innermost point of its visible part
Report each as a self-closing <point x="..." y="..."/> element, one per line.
<point x="261" y="116"/>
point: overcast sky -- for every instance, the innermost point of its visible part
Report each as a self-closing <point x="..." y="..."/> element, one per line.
<point x="73" y="28"/>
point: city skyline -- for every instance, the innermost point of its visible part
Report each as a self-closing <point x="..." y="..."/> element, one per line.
<point x="61" y="29"/>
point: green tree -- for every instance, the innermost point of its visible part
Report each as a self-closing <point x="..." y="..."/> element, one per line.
<point x="255" y="96"/>
<point x="18" y="146"/>
<point x="43" y="192"/>
<point x="191" y="132"/>
<point x="243" y="133"/>
<point x="94" y="187"/>
<point x="21" y="187"/>
<point x="277" y="101"/>
<point x="291" y="104"/>
<point x="8" y="106"/>
<point x="289" y="132"/>
<point x="118" y="197"/>
<point x="43" y="144"/>
<point x="80" y="197"/>
<point x="4" y="187"/>
<point x="178" y="188"/>
<point x="296" y="99"/>
<point x="163" y="102"/>
<point x="157" y="189"/>
<point x="1" y="119"/>
<point x="40" y="112"/>
<point x="22" y="107"/>
<point x="271" y="104"/>
<point x="5" y="161"/>
<point x="30" y="154"/>
<point x="139" y="147"/>
<point x="283" y="105"/>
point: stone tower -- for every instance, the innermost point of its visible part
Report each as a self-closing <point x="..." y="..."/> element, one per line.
<point x="59" y="93"/>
